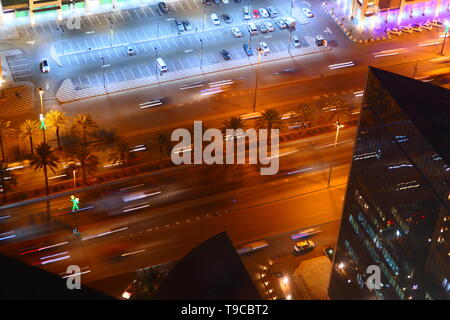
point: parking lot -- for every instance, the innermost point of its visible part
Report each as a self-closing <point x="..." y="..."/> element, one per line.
<point x="104" y="60"/>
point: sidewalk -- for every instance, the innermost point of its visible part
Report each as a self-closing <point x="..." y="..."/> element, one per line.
<point x="374" y="28"/>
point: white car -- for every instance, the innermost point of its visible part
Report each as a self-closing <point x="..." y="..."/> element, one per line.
<point x="269" y="26"/>
<point x="215" y="19"/>
<point x="307" y="12"/>
<point x="237" y="33"/>
<point x="225" y="1"/>
<point x="264" y="13"/>
<point x="264" y="47"/>
<point x="296" y="41"/>
<point x="44" y="66"/>
<point x="281" y="23"/>
<point x="130" y="51"/>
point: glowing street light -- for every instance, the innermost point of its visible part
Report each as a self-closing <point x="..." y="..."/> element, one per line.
<point x="447" y="26"/>
<point x="338" y="126"/>
<point x="41" y="115"/>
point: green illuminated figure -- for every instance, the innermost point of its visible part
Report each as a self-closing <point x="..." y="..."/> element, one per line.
<point x="75" y="202"/>
<point x="42" y="127"/>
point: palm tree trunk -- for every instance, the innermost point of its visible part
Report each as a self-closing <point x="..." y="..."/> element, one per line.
<point x="46" y="179"/>
<point x="83" y="170"/>
<point x="57" y="138"/>
<point x="31" y="144"/>
<point x="1" y="145"/>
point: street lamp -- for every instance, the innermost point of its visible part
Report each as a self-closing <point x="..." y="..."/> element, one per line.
<point x="111" y="31"/>
<point x="41" y="115"/>
<point x="338" y="126"/>
<point x="103" y="69"/>
<point x="201" y="55"/>
<point x="447" y="26"/>
<point x="62" y="38"/>
<point x="256" y="80"/>
<point x="292" y="7"/>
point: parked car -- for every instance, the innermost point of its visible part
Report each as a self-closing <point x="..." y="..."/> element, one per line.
<point x="307" y="12"/>
<point x="132" y="288"/>
<point x="179" y="25"/>
<point x="296" y="41"/>
<point x="252" y="28"/>
<point x="407" y="29"/>
<point x="395" y="31"/>
<point x="417" y="27"/>
<point x="215" y="19"/>
<point x="187" y="25"/>
<point x="264" y="12"/>
<point x="246" y="13"/>
<point x="256" y="13"/>
<point x="130" y="51"/>
<point x="264" y="47"/>
<point x="237" y="33"/>
<point x="263" y="28"/>
<point x="45" y="68"/>
<point x="227" y="18"/>
<point x="163" y="7"/>
<point x="237" y="1"/>
<point x="225" y="1"/>
<point x="269" y="26"/>
<point x="272" y="12"/>
<point x="304" y="246"/>
<point x="427" y="26"/>
<point x="247" y="49"/>
<point x="207" y="2"/>
<point x="436" y="23"/>
<point x="225" y="54"/>
<point x="280" y="22"/>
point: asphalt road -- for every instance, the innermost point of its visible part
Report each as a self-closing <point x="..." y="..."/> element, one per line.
<point x="168" y="225"/>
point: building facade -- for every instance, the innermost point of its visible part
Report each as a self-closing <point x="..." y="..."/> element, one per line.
<point x="398" y="11"/>
<point x="397" y="204"/>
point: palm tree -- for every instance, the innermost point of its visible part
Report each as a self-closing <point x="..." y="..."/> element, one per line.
<point x="45" y="158"/>
<point x="28" y="130"/>
<point x="341" y="111"/>
<point x="58" y="120"/>
<point x="270" y="119"/>
<point x="163" y="142"/>
<point x="84" y="126"/>
<point x="5" y="130"/>
<point x="80" y="153"/>
<point x="234" y="123"/>
<point x="7" y="179"/>
<point x="108" y="139"/>
<point x="121" y="154"/>
<point x="303" y="115"/>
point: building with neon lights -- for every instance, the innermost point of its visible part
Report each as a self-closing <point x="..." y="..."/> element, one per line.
<point x="366" y="11"/>
<point x="396" y="212"/>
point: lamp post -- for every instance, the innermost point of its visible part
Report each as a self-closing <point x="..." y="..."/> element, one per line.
<point x="41" y="115"/>
<point x="103" y="70"/>
<point x="204" y="16"/>
<point x="111" y="31"/>
<point x="256" y="80"/>
<point x="201" y="55"/>
<point x="62" y="38"/>
<point x="447" y="26"/>
<point x="292" y="7"/>
<point x="156" y="66"/>
<point x="338" y="126"/>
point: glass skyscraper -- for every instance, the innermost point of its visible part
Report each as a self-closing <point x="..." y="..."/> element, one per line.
<point x="397" y="204"/>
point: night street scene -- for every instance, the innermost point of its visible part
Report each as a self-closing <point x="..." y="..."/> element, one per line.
<point x="226" y="150"/>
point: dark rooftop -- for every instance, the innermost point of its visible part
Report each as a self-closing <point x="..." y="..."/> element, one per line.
<point x="211" y="271"/>
<point x="427" y="105"/>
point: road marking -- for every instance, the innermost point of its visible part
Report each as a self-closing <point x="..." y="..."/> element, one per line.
<point x="327" y="30"/>
<point x="341" y="65"/>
